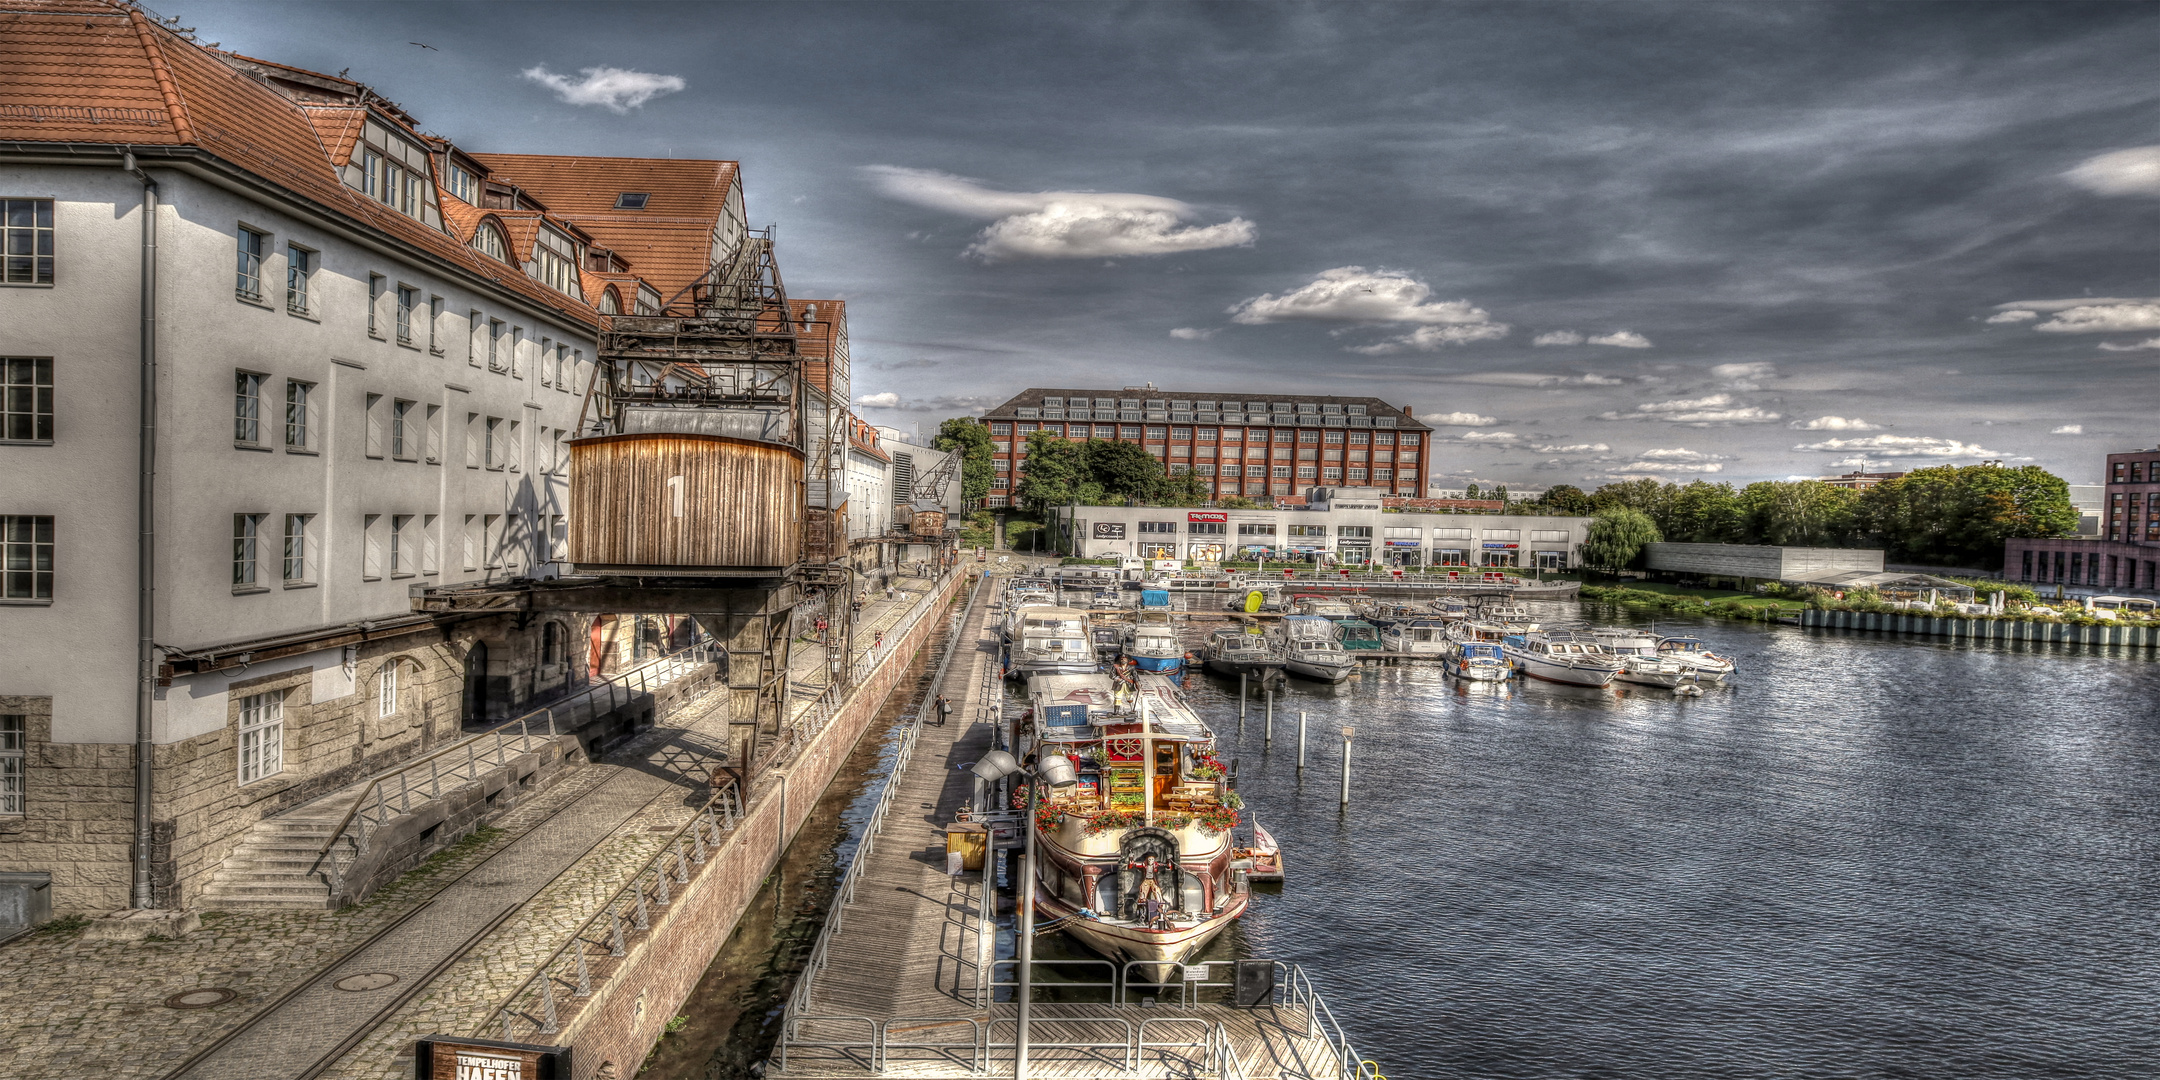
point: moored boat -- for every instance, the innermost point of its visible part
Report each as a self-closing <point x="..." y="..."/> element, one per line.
<point x="1479" y="661"/>
<point x="1561" y="657"/>
<point x="1136" y="860"/>
<point x="1709" y="666"/>
<point x="1050" y="641"/>
<point x="1151" y="641"/>
<point x="1326" y="607"/>
<point x="1357" y="635"/>
<point x="1640" y="663"/>
<point x="1418" y="637"/>
<point x="1309" y="648"/>
<point x="1241" y="650"/>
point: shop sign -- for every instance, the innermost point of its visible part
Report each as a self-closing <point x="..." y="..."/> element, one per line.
<point x="1206" y="515"/>
<point x="1495" y="545"/>
<point x="1405" y="543"/>
<point x="443" y="1057"/>
<point x="1168" y="562"/>
<point x="1109" y="530"/>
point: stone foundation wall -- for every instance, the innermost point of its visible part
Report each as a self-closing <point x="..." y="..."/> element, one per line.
<point x="631" y="1005"/>
<point x="79" y="820"/>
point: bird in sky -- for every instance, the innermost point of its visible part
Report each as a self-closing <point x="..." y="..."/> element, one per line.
<point x="424" y="45"/>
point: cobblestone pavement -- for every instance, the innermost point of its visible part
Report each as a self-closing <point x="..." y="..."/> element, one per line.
<point x="83" y="1008"/>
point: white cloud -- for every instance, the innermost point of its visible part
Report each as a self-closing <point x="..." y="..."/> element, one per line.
<point x="2135" y="171"/>
<point x="1577" y="448"/>
<point x="2014" y="316"/>
<point x="1835" y="423"/>
<point x="1355" y="294"/>
<point x="1700" y="412"/>
<point x="1558" y="337"/>
<point x="1757" y="369"/>
<point x="1679" y="453"/>
<point x="1635" y="468"/>
<point x="1458" y="419"/>
<point x="1491" y="437"/>
<point x="2148" y="343"/>
<point x="2104" y="319"/>
<point x="1062" y="224"/>
<point x="2069" y="429"/>
<point x="1187" y="333"/>
<point x="1429" y="338"/>
<point x="2082" y="301"/>
<point x="1897" y="446"/>
<point x="886" y="400"/>
<point x="1624" y="339"/>
<point x="617" y="90"/>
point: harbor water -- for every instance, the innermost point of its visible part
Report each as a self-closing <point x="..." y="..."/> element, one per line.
<point x="1870" y="856"/>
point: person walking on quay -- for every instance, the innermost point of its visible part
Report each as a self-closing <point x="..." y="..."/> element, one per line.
<point x="944" y="710"/>
<point x="878" y="644"/>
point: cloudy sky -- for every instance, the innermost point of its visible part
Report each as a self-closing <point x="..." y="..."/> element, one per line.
<point x="1739" y="242"/>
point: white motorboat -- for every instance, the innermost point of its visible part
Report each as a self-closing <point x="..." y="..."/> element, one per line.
<point x="1326" y="607"/>
<point x="1426" y="637"/>
<point x="1309" y="648"/>
<point x="1152" y="642"/>
<point x="1050" y="641"/>
<point x="1637" y="652"/>
<point x="1152" y="805"/>
<point x="1709" y="666"/>
<point x="1561" y="657"/>
<point x="1236" y="650"/>
<point x="1479" y="661"/>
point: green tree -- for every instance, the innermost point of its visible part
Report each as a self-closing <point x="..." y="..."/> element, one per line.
<point x="1056" y="471"/>
<point x="1564" y="499"/>
<point x="1797" y="513"/>
<point x="1178" y="489"/>
<point x="1960" y="515"/>
<point x="1703" y="513"/>
<point x="1617" y="537"/>
<point x="971" y="440"/>
<point x="1470" y="491"/>
<point x="1645" y="495"/>
<point x="1125" y="470"/>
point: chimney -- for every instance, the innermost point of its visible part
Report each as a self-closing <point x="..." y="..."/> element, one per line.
<point x="1406" y="410"/>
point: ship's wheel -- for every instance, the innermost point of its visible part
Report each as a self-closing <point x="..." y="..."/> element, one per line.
<point x="1123" y="748"/>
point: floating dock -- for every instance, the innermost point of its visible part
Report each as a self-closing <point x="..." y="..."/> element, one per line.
<point x="911" y="975"/>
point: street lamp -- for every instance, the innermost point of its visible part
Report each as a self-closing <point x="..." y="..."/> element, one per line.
<point x="1057" y="771"/>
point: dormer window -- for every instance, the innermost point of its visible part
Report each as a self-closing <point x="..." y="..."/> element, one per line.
<point x="610" y="301"/>
<point x="554" y="262"/>
<point x="631" y="200"/>
<point x="464" y="185"/>
<point x="648" y="300"/>
<point x="489" y="241"/>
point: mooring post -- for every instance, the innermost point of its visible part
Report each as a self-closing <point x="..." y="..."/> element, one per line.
<point x="1301" y="739"/>
<point x="1347" y="734"/>
<point x="1241" y="701"/>
<point x="1267" y="720"/>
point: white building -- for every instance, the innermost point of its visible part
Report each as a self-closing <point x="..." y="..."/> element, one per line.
<point x="1353" y="529"/>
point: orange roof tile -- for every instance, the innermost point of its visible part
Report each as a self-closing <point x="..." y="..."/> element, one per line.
<point x="669" y="241"/>
<point x="339" y="127"/>
<point x="99" y="72"/>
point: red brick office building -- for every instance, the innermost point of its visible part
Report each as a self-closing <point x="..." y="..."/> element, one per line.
<point x="1271" y="450"/>
<point x="2124" y="558"/>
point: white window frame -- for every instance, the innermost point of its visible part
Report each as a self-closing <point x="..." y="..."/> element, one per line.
<point x="400" y="550"/>
<point x="376" y="284"/>
<point x="253" y="249"/>
<point x="386" y="690"/>
<point x="299" y="415"/>
<point x="14" y="764"/>
<point x="260" y="746"/>
<point x="297" y="564"/>
<point x="26" y="560"/>
<point x="27" y="406"/>
<point x="408" y="300"/>
<point x="36" y="266"/>
<point x="405" y="439"/>
<point x="247" y="552"/>
<point x="300" y="264"/>
<point x="247" y="408"/>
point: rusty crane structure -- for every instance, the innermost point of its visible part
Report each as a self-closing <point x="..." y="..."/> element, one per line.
<point x="708" y="467"/>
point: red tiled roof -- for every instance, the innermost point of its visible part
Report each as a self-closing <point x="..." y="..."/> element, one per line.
<point x="669" y="241"/>
<point x="99" y="72"/>
<point x="339" y="127"/>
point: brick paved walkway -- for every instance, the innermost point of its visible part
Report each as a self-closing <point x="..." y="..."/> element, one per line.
<point x="475" y="919"/>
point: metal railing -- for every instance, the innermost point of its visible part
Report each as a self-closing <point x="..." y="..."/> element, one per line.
<point x="392" y="793"/>
<point x="808" y="723"/>
<point x="532" y="1008"/>
<point x="1293" y="988"/>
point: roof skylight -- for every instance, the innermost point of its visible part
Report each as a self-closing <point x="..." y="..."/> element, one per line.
<point x="631" y="200"/>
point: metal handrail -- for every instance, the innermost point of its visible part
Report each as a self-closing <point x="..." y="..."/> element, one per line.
<point x="470" y="768"/>
<point x="703" y="835"/>
<point x="1128" y="1052"/>
<point x="1297" y="989"/>
<point x="974" y="1043"/>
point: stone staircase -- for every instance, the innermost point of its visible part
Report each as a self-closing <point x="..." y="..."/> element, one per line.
<point x="277" y="865"/>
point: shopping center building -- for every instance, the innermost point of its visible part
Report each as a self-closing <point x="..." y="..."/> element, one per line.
<point x="1337" y="525"/>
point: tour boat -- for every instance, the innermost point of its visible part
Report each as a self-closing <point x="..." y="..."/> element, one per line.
<point x="1152" y="642"/>
<point x="1050" y="641"/>
<point x="1709" y="666"/>
<point x="1152" y="804"/>
<point x="1421" y="637"/>
<point x="1574" y="659"/>
<point x="1479" y="661"/>
<point x="1357" y="635"/>
<point x="1310" y="649"/>
<point x="1637" y="652"/>
<point x="1241" y="650"/>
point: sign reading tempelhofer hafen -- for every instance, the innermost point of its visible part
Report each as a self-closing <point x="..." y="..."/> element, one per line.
<point x="1109" y="530"/>
<point x="447" y="1057"/>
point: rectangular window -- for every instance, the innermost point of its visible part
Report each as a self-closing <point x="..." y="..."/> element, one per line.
<point x="299" y="429"/>
<point x="26" y="241"/>
<point x="515" y="452"/>
<point x="517" y="352"/>
<point x="1308" y="530"/>
<point x="496" y="360"/>
<point x="1354" y="532"/>
<point x="1158" y="526"/>
<point x="1383" y="474"/>
<point x="299" y="268"/>
<point x="1308" y="472"/>
<point x="1282" y="472"/>
<point x="373" y="445"/>
<point x="1357" y="474"/>
<point x="299" y="561"/>
<point x="408" y="298"/>
<point x="371" y="556"/>
<point x="26" y="557"/>
<point x="386" y="690"/>
<point x="402" y="560"/>
<point x="491" y="540"/>
<point x="253" y="247"/>
<point x="494" y="447"/>
<point x="472" y="440"/>
<point x="262" y="736"/>
<point x="393" y="182"/>
<point x="464" y="185"/>
<point x="472" y="541"/>
<point x="14" y="742"/>
<point x="1330" y="473"/>
<point x="1155" y="434"/>
<point x="404" y="432"/>
<point x="434" y="325"/>
<point x="430" y="545"/>
<point x="1129" y="431"/>
<point x="431" y="435"/>
<point x="247" y="408"/>
<point x="26" y="399"/>
<point x="1001" y="429"/>
<point x="246" y="534"/>
<point x="376" y="284"/>
<point x="558" y="538"/>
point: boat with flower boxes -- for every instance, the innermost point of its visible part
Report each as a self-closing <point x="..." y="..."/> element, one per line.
<point x="1135" y="860"/>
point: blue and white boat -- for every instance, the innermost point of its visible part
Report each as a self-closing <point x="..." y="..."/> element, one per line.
<point x="1151" y="642"/>
<point x="1479" y="661"/>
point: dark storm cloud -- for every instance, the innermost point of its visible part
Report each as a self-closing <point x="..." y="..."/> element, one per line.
<point x="1842" y="195"/>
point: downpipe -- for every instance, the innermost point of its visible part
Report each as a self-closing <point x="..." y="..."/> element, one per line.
<point x="146" y="545"/>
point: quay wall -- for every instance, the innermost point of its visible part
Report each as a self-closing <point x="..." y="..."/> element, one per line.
<point x="632" y="1003"/>
<point x="1983" y="629"/>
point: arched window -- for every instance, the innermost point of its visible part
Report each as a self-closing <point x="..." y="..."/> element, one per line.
<point x="610" y="301"/>
<point x="489" y="240"/>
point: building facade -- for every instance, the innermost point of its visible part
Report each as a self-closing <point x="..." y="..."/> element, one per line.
<point x="2122" y="554"/>
<point x="367" y="349"/>
<point x="1352" y="530"/>
<point x="1272" y="449"/>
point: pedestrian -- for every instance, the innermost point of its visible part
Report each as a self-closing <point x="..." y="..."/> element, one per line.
<point x="944" y="710"/>
<point x="878" y="645"/>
